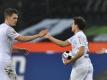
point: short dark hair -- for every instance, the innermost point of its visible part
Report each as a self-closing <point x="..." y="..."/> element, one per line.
<point x="9" y="12"/>
<point x="80" y="21"/>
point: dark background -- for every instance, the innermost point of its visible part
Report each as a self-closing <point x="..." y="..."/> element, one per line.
<point x="33" y="11"/>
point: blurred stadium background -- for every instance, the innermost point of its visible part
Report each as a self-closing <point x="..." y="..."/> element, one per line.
<point x="44" y="61"/>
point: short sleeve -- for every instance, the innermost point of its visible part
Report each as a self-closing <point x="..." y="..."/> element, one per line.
<point x="80" y="41"/>
<point x="70" y="39"/>
<point x="12" y="33"/>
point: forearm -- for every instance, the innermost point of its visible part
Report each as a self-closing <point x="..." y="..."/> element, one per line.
<point x="57" y="41"/>
<point x="76" y="57"/>
<point x="79" y="54"/>
<point x="14" y="50"/>
<point x="72" y="60"/>
<point x="27" y="38"/>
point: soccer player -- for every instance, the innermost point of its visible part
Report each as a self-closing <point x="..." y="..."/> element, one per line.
<point x="7" y="35"/>
<point x="82" y="67"/>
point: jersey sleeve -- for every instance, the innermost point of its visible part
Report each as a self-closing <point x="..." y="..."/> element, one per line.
<point x="12" y="33"/>
<point x="80" y="41"/>
<point x="69" y="40"/>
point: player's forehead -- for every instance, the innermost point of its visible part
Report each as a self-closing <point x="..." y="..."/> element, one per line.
<point x="14" y="15"/>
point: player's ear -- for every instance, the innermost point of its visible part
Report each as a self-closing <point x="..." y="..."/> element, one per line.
<point x="76" y="26"/>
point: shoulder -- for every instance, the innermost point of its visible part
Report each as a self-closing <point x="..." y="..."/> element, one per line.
<point x="80" y="34"/>
<point x="10" y="28"/>
<point x="3" y="25"/>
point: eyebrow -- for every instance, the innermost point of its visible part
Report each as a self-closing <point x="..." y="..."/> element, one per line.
<point x="15" y="17"/>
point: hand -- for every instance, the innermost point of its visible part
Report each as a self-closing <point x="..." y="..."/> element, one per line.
<point x="47" y="36"/>
<point x="43" y="33"/>
<point x="24" y="51"/>
<point x="65" y="62"/>
<point x="102" y="51"/>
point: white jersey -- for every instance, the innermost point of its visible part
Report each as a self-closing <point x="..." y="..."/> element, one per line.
<point x="78" y="40"/>
<point x="7" y="35"/>
<point x="82" y="69"/>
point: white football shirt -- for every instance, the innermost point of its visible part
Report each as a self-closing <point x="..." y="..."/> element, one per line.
<point x="7" y="35"/>
<point x="79" y="39"/>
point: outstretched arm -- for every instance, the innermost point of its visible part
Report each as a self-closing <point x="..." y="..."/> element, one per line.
<point x="57" y="41"/>
<point x="18" y="50"/>
<point x="30" y="38"/>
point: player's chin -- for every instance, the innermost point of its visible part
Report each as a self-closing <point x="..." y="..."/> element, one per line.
<point x="14" y="25"/>
<point x="72" y="30"/>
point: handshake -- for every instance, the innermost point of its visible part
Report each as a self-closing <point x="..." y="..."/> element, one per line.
<point x="43" y="33"/>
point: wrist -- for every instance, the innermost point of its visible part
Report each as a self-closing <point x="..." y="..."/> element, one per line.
<point x="37" y="36"/>
<point x="48" y="36"/>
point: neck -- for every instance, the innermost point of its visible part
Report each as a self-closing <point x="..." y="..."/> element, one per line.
<point x="6" y="22"/>
<point x="77" y="30"/>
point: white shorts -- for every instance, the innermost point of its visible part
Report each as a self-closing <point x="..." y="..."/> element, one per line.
<point x="82" y="70"/>
<point x="7" y="72"/>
